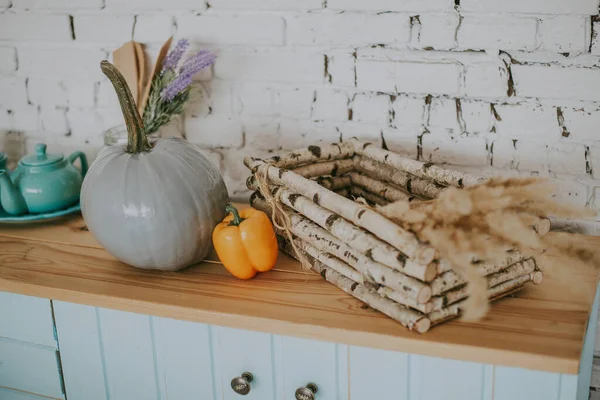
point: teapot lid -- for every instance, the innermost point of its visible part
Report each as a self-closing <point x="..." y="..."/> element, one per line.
<point x="40" y="157"/>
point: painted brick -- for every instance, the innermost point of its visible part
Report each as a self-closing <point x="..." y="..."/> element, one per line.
<point x="283" y="66"/>
<point x="340" y="29"/>
<point x="214" y="131"/>
<point x="531" y="155"/>
<point x="85" y="123"/>
<point x="21" y="118"/>
<point x="567" y="158"/>
<point x="340" y="68"/>
<point x="556" y="82"/>
<point x="107" y="118"/>
<point x="524" y="120"/>
<point x="232" y="29"/>
<point x="391" y="5"/>
<point x="364" y="131"/>
<point x="571" y="191"/>
<point x="595" y="38"/>
<point x="13" y="91"/>
<point x="443" y="117"/>
<point x="371" y="108"/>
<point x="173" y="129"/>
<point x="55" y="4"/>
<point x="504" y="152"/>
<point x="408" y="77"/>
<point x="103" y="28"/>
<point x="153" y="28"/>
<point x="8" y="59"/>
<point x="585" y="7"/>
<point x="565" y="34"/>
<point x="295" y="102"/>
<point x="441" y="148"/>
<point x="331" y="105"/>
<point x="476" y="115"/>
<point x="199" y="103"/>
<point x="54" y="121"/>
<point x="67" y="63"/>
<point x="263" y="134"/>
<point x="21" y="26"/>
<point x="254" y="100"/>
<point x="594" y="157"/>
<point x="401" y="142"/>
<point x="304" y="133"/>
<point x="44" y="91"/>
<point x="581" y="125"/>
<point x="221" y="96"/>
<point x="408" y="113"/>
<point x="188" y="5"/>
<point x="497" y="32"/>
<point x="266" y="4"/>
<point x="438" y="31"/>
<point x="486" y="80"/>
<point x="4" y="4"/>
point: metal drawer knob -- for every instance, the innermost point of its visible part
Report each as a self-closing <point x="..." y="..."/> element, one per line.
<point x="241" y="384"/>
<point x="307" y="393"/>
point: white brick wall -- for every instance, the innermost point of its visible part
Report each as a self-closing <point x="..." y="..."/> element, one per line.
<point x="510" y="85"/>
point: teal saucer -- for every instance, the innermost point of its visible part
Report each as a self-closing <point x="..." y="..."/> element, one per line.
<point x="35" y="218"/>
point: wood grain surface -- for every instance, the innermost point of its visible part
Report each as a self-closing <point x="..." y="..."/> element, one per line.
<point x="542" y="327"/>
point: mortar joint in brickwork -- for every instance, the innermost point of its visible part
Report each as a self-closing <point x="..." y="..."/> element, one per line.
<point x="561" y="123"/>
<point x="72" y="27"/>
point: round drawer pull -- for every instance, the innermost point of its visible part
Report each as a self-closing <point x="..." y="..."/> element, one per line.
<point x="307" y="393"/>
<point x="241" y="384"/>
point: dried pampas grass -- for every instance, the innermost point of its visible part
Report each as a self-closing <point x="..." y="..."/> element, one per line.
<point x="483" y="222"/>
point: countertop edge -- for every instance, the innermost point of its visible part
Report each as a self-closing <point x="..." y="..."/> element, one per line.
<point x="414" y="345"/>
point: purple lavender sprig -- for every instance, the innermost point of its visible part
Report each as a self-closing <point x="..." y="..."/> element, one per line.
<point x="171" y="88"/>
<point x="172" y="59"/>
<point x="190" y="68"/>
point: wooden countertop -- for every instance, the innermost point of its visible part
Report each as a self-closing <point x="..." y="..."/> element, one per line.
<point x="542" y="328"/>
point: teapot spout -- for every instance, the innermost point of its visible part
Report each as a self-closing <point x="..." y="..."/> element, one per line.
<point x="10" y="197"/>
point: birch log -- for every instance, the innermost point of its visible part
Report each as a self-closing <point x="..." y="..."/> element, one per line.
<point x="360" y="215"/>
<point x="450" y="279"/>
<point x="309" y="155"/>
<point x="420" y="169"/>
<point x="359" y="193"/>
<point x="372" y="271"/>
<point x="334" y="183"/>
<point x="495" y="293"/>
<point x="333" y="168"/>
<point x="412" y="184"/>
<point x="411" y="319"/>
<point x="355" y="237"/>
<point x="511" y="257"/>
<point x="379" y="188"/>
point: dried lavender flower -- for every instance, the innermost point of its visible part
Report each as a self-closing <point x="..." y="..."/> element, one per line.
<point x="176" y="86"/>
<point x="172" y="59"/>
<point x="203" y="59"/>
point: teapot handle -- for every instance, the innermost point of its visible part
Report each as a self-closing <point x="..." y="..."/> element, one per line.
<point x="82" y="158"/>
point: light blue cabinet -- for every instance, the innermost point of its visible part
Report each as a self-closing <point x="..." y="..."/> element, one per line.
<point x="114" y="355"/>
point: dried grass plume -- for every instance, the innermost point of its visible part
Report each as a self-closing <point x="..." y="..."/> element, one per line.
<point x="483" y="222"/>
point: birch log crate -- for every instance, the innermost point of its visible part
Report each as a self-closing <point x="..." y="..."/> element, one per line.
<point x="329" y="196"/>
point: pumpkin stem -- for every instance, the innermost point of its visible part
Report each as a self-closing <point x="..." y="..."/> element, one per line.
<point x="136" y="134"/>
<point x="237" y="220"/>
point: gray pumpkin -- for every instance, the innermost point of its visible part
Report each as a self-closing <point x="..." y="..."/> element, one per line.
<point x="152" y="206"/>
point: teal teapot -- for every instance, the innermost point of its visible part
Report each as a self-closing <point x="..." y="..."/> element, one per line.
<point x="42" y="182"/>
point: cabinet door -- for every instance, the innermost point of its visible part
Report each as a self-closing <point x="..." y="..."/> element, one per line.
<point x="237" y="351"/>
<point x="27" y="319"/>
<point x="117" y="355"/>
<point x="389" y="375"/>
<point x="302" y="361"/>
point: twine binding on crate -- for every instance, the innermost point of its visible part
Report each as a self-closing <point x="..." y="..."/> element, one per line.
<point x="376" y="251"/>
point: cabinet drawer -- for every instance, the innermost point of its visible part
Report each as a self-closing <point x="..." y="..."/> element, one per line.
<point x="300" y="362"/>
<point x="237" y="351"/>
<point x="26" y="318"/>
<point x="30" y="368"/>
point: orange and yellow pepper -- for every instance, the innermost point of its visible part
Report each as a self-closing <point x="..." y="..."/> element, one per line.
<point x="245" y="242"/>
